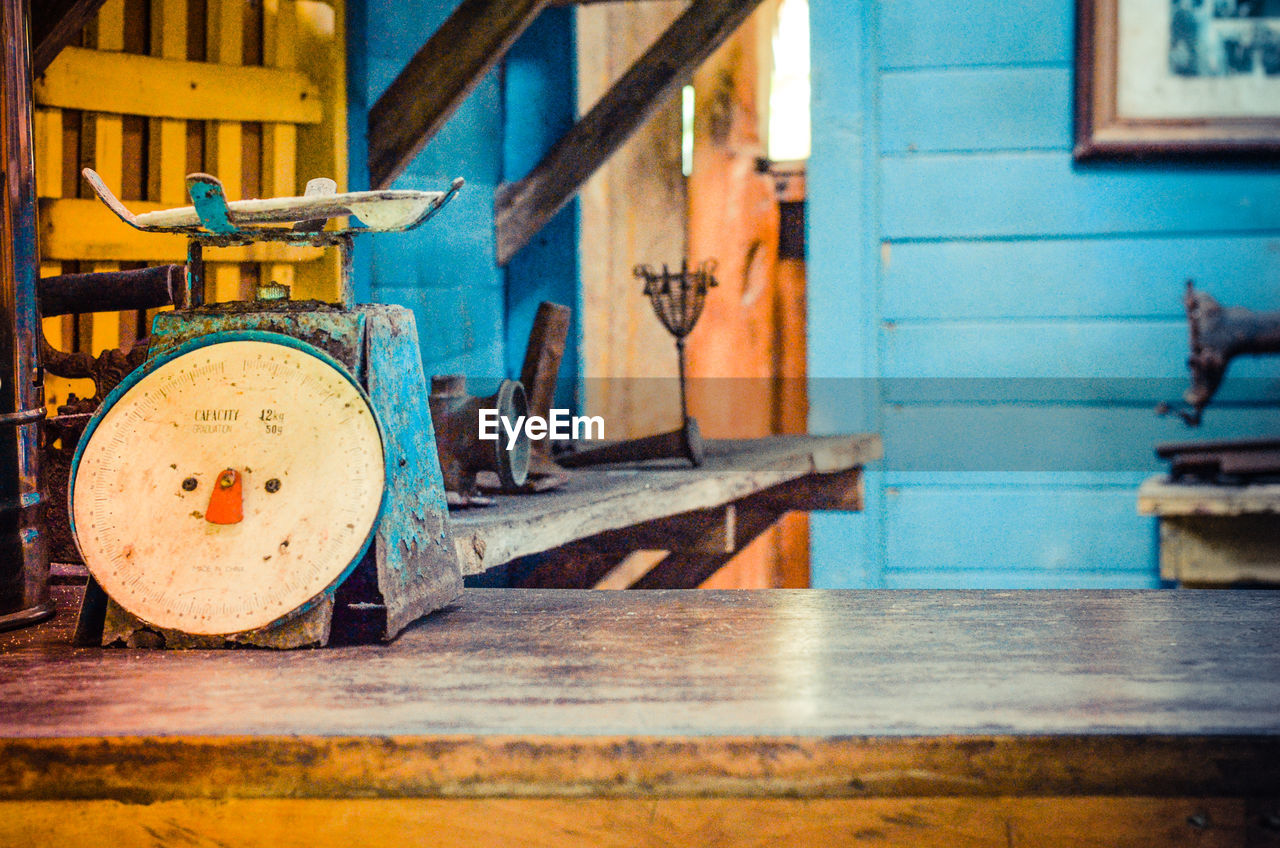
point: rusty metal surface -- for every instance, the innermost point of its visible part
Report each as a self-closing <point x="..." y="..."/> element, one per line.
<point x="542" y="356"/>
<point x="24" y="564"/>
<point x="539" y="375"/>
<point x="455" y="416"/>
<point x="685" y="443"/>
<point x="66" y="294"/>
<point x="416" y="563"/>
<point x="334" y="330"/>
<point x="411" y="567"/>
<point x="1217" y="335"/>
<point x="110" y="291"/>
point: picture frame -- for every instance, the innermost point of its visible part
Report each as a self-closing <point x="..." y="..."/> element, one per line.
<point x="1177" y="78"/>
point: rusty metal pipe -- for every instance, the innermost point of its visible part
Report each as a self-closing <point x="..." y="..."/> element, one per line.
<point x="455" y="416"/>
<point x="24" y="563"/>
<point x="112" y="291"/>
<point x="685" y="443"/>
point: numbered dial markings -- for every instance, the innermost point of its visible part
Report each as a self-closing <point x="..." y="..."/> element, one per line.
<point x="228" y="487"/>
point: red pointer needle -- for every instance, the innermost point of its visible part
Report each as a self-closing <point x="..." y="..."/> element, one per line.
<point x="226" y="504"/>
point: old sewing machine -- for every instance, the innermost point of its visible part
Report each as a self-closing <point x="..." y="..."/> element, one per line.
<point x="268" y="476"/>
<point x="1219" y="503"/>
<point x="1217" y="336"/>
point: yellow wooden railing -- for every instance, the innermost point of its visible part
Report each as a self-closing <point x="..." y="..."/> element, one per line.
<point x="253" y="93"/>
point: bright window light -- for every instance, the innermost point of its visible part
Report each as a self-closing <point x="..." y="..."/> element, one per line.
<point x="686" y="139"/>
<point x="789" y="87"/>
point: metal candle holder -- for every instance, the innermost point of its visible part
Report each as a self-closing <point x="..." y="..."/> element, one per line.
<point x="678" y="299"/>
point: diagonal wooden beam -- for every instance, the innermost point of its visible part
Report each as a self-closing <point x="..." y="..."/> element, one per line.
<point x="522" y="209"/>
<point x="54" y="25"/>
<point x="439" y="77"/>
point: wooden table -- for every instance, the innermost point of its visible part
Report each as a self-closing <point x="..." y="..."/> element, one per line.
<point x="1213" y="535"/>
<point x="670" y="717"/>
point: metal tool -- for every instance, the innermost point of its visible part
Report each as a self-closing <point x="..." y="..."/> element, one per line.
<point x="677" y="299"/>
<point x="685" y="443"/>
<point x="24" y="563"/>
<point x="456" y="418"/>
<point x="539" y="376"/>
<point x="1217" y="336"/>
<point x="268" y="476"/>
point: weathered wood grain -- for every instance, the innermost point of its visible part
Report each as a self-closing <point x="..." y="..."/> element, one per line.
<point x="685" y="550"/>
<point x="170" y="88"/>
<point x="1159" y="496"/>
<point x="438" y="78"/>
<point x="613" y="497"/>
<point x="796" y="693"/>
<point x="625" y="823"/>
<point x="689" y="569"/>
<point x="523" y="208"/>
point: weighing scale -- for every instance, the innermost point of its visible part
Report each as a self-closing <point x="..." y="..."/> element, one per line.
<point x="269" y="475"/>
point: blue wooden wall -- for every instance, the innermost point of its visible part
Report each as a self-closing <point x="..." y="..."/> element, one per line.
<point x="1005" y="317"/>
<point x="473" y="317"/>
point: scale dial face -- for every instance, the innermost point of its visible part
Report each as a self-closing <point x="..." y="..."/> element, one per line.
<point x="229" y="485"/>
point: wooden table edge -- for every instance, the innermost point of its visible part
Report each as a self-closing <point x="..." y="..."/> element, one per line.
<point x="151" y="769"/>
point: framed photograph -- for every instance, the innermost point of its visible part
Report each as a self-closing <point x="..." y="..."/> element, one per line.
<point x="1177" y="77"/>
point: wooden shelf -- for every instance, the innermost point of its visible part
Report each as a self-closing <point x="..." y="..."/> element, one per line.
<point x="1160" y="496"/>
<point x="713" y="511"/>
<point x="1215" y="535"/>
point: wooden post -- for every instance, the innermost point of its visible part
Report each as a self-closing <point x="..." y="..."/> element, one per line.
<point x="24" y="563"/>
<point x="439" y="77"/>
<point x="524" y="208"/>
<point x="279" y="141"/>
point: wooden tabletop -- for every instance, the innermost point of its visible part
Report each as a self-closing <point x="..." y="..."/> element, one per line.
<point x="554" y="692"/>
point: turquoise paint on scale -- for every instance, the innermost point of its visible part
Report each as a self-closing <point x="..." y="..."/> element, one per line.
<point x="971" y="275"/>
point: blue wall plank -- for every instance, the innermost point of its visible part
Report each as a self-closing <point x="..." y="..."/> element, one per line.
<point x="1052" y="530"/>
<point x="1043" y="194"/>
<point x="1122" y="277"/>
<point x="931" y="110"/>
<point x="840" y="295"/>
<point x="446" y="271"/>
<point x="542" y="100"/>
<point x="1040" y="439"/>
<point x="925" y="33"/>
<point x="938" y="578"/>
<point x="1063" y="349"/>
